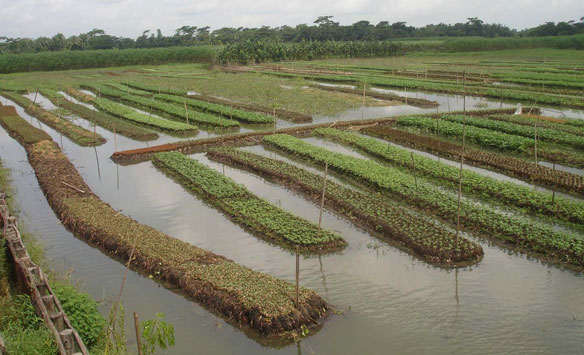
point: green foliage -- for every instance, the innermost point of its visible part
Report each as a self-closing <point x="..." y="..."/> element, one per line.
<point x="65" y="60"/>
<point x="137" y="117"/>
<point x="240" y="115"/>
<point x="485" y="44"/>
<point x="23" y="331"/>
<point x="526" y="234"/>
<point x="263" y="218"/>
<point x="473" y="183"/>
<point x="22" y="130"/>
<point x="177" y="111"/>
<point x="263" y="51"/>
<point x="77" y="134"/>
<point x="82" y="312"/>
<point x="481" y="136"/>
<point x="428" y="239"/>
<point x="543" y="134"/>
<point x="156" y="333"/>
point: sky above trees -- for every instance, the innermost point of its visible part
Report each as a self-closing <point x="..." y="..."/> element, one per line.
<point x="34" y="18"/>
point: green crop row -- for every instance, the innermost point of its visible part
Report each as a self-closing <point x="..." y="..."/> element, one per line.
<point x="472" y="89"/>
<point x="481" y="136"/>
<point x="156" y="89"/>
<point x="128" y="90"/>
<point x="77" y="134"/>
<point x="178" y="111"/>
<point x="257" y="215"/>
<point x="102" y="119"/>
<point x="531" y="120"/>
<point x="473" y="183"/>
<point x="522" y="233"/>
<point x="137" y="117"/>
<point x="240" y="115"/>
<point x="543" y="134"/>
<point x="430" y="240"/>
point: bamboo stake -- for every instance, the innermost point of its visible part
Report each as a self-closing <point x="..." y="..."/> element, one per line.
<point x="35" y="96"/>
<point x="115" y="138"/>
<point x="137" y="327"/>
<point x="297" y="277"/>
<point x="186" y="111"/>
<point x="461" y="159"/>
<point x="363" y="105"/>
<point x="322" y="196"/>
<point x="414" y="166"/>
<point x="119" y="299"/>
<point x="554" y="180"/>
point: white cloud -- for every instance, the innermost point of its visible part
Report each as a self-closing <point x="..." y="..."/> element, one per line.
<point x="33" y="18"/>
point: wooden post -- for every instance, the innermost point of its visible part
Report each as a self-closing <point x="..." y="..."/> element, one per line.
<point x="363" y="105"/>
<point x="297" y="277"/>
<point x="35" y="96"/>
<point x="137" y="327"/>
<point x="414" y="166"/>
<point x="461" y="159"/>
<point x="322" y="197"/>
<point x="406" y="89"/>
<point x="554" y="183"/>
<point x="68" y="340"/>
<point x="186" y="111"/>
<point x="115" y="138"/>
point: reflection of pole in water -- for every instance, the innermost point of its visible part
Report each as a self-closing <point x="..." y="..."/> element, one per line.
<point x="323" y="276"/>
<point x="118" y="175"/>
<point x="456" y="288"/>
<point x="97" y="161"/>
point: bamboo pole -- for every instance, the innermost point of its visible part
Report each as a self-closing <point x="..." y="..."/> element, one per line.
<point x="35" y="96"/>
<point x="137" y="328"/>
<point x="186" y="111"/>
<point x="414" y="166"/>
<point x="322" y="197"/>
<point x="297" y="277"/>
<point x="461" y="159"/>
<point x="115" y="138"/>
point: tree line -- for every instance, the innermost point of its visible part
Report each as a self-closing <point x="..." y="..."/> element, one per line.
<point x="324" y="28"/>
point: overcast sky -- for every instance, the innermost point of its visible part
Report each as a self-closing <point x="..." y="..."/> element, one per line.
<point x="33" y="18"/>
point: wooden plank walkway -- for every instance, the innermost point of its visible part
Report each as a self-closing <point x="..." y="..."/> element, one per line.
<point x="32" y="281"/>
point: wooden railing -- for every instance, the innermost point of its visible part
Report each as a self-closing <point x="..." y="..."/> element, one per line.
<point x="32" y="281"/>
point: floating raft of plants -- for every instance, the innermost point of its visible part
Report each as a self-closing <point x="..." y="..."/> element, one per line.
<point x="260" y="301"/>
<point x="536" y="202"/>
<point x="431" y="241"/>
<point x="226" y="111"/>
<point x="257" y="215"/>
<point x="141" y="118"/>
<point x="102" y="119"/>
<point x="77" y="134"/>
<point x="509" y="165"/>
<point x="543" y="240"/>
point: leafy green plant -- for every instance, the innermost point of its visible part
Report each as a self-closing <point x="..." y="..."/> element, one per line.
<point x="156" y="333"/>
<point x="82" y="312"/>
<point x="261" y="217"/>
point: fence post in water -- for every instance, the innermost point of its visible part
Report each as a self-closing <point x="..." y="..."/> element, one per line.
<point x="461" y="159"/>
<point x="297" y="276"/>
<point x="137" y="327"/>
<point x="363" y="104"/>
<point x="115" y="139"/>
<point x="322" y="196"/>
